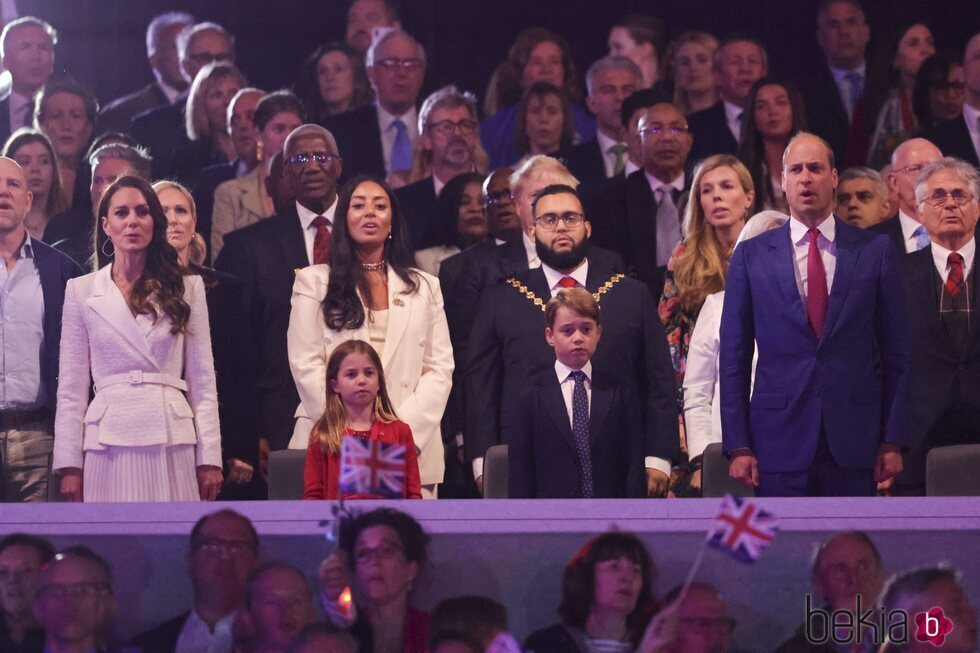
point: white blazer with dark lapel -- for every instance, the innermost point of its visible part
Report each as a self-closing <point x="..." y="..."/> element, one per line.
<point x="237" y="204"/>
<point x="417" y="359"/>
<point x="100" y="339"/>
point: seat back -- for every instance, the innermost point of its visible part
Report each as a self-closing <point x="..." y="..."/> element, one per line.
<point x="952" y="471"/>
<point x="495" y="473"/>
<point x="286" y="474"/>
<point x="715" y="481"/>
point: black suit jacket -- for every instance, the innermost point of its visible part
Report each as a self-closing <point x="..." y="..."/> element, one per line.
<point x="205" y="183"/>
<point x="264" y="257"/>
<point x="70" y="232"/>
<point x="54" y="269"/>
<point x="826" y="114"/>
<point x="162" y="131"/>
<point x="953" y="139"/>
<point x="5" y="118"/>
<point x="542" y="452"/>
<point x="163" y="638"/>
<point x="419" y="206"/>
<point x="507" y="344"/>
<point x="117" y="116"/>
<point x="191" y="158"/>
<point x="944" y="383"/>
<point x="892" y="227"/>
<point x="586" y="163"/>
<point x="358" y="142"/>
<point x="711" y="133"/>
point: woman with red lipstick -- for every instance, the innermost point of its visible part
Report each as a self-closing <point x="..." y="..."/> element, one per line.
<point x="370" y="292"/>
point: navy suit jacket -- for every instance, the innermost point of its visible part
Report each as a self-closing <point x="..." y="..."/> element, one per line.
<point x="55" y="269"/>
<point x="162" y="638"/>
<point x="851" y="383"/>
<point x="711" y="133"/>
<point x="892" y="227"/>
<point x="953" y="139"/>
<point x="5" y="118"/>
<point x="542" y="453"/>
<point x="418" y="202"/>
<point x="118" y="115"/>
<point x="162" y="131"/>
<point x="358" y="142"/>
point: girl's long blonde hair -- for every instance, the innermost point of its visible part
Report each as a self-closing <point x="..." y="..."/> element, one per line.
<point x="331" y="425"/>
<point x="702" y="268"/>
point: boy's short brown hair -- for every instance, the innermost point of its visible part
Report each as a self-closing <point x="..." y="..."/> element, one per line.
<point x="577" y="299"/>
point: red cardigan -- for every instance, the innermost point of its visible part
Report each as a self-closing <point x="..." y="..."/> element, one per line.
<point x="321" y="473"/>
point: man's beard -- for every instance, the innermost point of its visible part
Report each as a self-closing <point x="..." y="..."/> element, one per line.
<point x="562" y="260"/>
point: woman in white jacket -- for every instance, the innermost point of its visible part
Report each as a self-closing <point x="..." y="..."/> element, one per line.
<point x="370" y="293"/>
<point x="138" y="329"/>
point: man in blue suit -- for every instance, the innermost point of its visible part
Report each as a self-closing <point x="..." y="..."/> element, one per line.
<point x="822" y="301"/>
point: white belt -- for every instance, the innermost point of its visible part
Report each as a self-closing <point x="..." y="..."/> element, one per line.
<point x="139" y="377"/>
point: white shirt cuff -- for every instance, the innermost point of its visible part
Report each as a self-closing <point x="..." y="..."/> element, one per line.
<point x="659" y="464"/>
<point x="477" y="468"/>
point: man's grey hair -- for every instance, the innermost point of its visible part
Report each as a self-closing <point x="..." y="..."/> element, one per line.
<point x="231" y="105"/>
<point x="160" y="24"/>
<point x="137" y="157"/>
<point x="309" y="129"/>
<point x="860" y="536"/>
<point x="383" y="37"/>
<point x="188" y="33"/>
<point x="447" y="97"/>
<point x="906" y="590"/>
<point x="24" y="22"/>
<point x="536" y="166"/>
<point x="966" y="172"/>
<point x="860" y="172"/>
<point x="739" y="38"/>
<point x="610" y="62"/>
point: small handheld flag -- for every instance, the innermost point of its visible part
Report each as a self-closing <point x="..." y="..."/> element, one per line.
<point x="742" y="529"/>
<point x="371" y="467"/>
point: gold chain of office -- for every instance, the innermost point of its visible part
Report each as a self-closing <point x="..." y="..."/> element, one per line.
<point x="537" y="301"/>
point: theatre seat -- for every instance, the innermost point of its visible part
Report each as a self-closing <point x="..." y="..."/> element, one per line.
<point x="952" y="471"/>
<point x="286" y="474"/>
<point x="715" y="481"/>
<point x="495" y="472"/>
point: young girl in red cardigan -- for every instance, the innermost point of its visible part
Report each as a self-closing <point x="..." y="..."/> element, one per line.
<point x="357" y="405"/>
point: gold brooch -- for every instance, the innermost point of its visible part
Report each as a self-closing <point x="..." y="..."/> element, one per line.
<point x="537" y="301"/>
<point x="296" y="271"/>
<point x="397" y="302"/>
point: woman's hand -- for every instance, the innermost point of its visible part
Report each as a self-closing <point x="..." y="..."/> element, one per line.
<point x="239" y="472"/>
<point x="209" y="482"/>
<point x="333" y="575"/>
<point x="71" y="483"/>
<point x="662" y="631"/>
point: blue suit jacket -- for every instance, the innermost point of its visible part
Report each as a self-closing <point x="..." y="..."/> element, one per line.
<point x="853" y="380"/>
<point x="55" y="269"/>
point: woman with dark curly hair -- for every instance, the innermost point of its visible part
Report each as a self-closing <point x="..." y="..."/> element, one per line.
<point x="461" y="221"/>
<point x="537" y="55"/>
<point x="382" y="554"/>
<point x="938" y="93"/>
<point x="333" y="80"/>
<point x="138" y="328"/>
<point x="371" y="292"/>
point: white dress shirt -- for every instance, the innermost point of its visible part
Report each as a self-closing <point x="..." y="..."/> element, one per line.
<point x="909" y="225"/>
<point x="844" y="87"/>
<point x="306" y="218"/>
<point x="567" y="385"/>
<point x="940" y="256"/>
<point x="533" y="261"/>
<point x="800" y="236"/>
<point x="733" y="116"/>
<point x="22" y="333"/>
<point x="553" y="276"/>
<point x="676" y="184"/>
<point x="20" y="109"/>
<point x="197" y="637"/>
<point x="608" y="156"/>
<point x="972" y="117"/>
<point x="388" y="131"/>
<point x="169" y="91"/>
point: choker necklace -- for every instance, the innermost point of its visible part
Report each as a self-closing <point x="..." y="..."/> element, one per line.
<point x="373" y="267"/>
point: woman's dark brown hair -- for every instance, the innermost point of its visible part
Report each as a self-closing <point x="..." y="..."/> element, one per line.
<point x="307" y="86"/>
<point x="578" y="584"/>
<point x="57" y="202"/>
<point x="162" y="282"/>
<point x="342" y="307"/>
<point x="542" y="90"/>
<point x="505" y="87"/>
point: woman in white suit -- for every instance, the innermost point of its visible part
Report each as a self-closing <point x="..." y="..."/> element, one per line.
<point x="369" y="292"/>
<point x="138" y="329"/>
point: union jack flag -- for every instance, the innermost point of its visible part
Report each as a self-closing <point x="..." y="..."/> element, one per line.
<point x="742" y="529"/>
<point x="372" y="467"/>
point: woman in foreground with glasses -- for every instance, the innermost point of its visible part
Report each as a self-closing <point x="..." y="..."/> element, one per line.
<point x="371" y="292"/>
<point x="381" y="555"/>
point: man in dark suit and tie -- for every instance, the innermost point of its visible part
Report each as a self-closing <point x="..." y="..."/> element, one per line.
<point x="27" y="53"/>
<point x="960" y="137"/>
<point x="609" y="80"/>
<point x="942" y="293"/>
<point x="378" y="139"/>
<point x="905" y="230"/>
<point x="449" y="139"/>
<point x="739" y="62"/>
<point x="169" y="85"/>
<point x="265" y="257"/>
<point x="506" y="344"/>
<point x="821" y="301"/>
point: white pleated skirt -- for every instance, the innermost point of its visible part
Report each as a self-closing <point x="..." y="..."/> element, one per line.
<point x="148" y="474"/>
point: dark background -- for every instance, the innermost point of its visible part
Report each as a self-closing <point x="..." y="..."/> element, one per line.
<point x="102" y="42"/>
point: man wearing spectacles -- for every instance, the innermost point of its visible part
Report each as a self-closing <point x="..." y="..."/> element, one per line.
<point x="224" y="550"/>
<point x="942" y="294"/>
<point x="75" y="602"/>
<point x="906" y="231"/>
<point x="449" y="145"/>
<point x="705" y="626"/>
<point x="379" y="139"/>
<point x="960" y="137"/>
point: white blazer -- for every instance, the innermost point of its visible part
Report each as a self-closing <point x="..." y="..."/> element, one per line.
<point x="417" y="359"/>
<point x="100" y="340"/>
<point x="237" y="204"/>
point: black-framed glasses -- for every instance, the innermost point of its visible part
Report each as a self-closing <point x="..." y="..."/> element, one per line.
<point x="364" y="554"/>
<point x="204" y="58"/>
<point x="447" y="127"/>
<point x="945" y="86"/>
<point x="549" y="221"/>
<point x="663" y="130"/>
<point x="940" y="197"/>
<point x="73" y="590"/>
<point x="321" y="158"/>
<point x="408" y="65"/>
<point x="496" y="197"/>
<point x="911" y="170"/>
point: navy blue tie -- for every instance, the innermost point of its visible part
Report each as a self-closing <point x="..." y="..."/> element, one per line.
<point x="580" y="430"/>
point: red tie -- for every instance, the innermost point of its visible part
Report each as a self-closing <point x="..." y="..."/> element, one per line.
<point x="816" y="280"/>
<point x="954" y="282"/>
<point x="568" y="282"/>
<point x="321" y="242"/>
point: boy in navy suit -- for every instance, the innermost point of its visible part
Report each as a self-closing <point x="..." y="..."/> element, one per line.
<point x="577" y="432"/>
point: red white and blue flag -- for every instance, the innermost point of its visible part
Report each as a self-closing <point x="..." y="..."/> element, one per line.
<point x="742" y="529"/>
<point x="372" y="467"/>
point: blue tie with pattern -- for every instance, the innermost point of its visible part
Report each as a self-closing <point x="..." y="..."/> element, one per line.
<point x="921" y="237"/>
<point x="401" y="151"/>
<point x="580" y="430"/>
